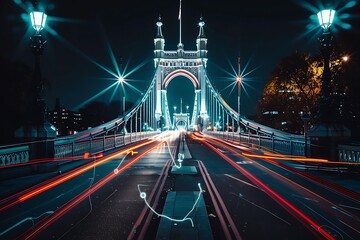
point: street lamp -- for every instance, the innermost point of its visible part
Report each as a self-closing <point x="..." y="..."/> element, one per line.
<point x="175" y="109"/>
<point x="187" y="108"/>
<point x="121" y="81"/>
<point x="39" y="127"/>
<point x="325" y="18"/>
<point x="238" y="80"/>
<point x="325" y="135"/>
<point x="43" y="128"/>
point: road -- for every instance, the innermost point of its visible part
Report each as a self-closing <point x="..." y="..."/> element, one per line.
<point x="245" y="197"/>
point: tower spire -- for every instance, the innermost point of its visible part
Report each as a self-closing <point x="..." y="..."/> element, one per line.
<point x="180" y="45"/>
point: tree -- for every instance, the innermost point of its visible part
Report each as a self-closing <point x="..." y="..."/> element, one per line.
<point x="293" y="88"/>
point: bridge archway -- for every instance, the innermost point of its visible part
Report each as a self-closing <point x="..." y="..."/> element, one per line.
<point x="181" y="72"/>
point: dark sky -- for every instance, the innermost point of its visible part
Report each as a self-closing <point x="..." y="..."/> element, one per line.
<point x="79" y="33"/>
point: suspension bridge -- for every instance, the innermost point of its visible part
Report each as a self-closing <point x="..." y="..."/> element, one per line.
<point x="139" y="177"/>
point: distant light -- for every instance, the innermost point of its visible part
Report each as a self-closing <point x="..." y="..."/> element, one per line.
<point x="38" y="20"/>
<point x="238" y="79"/>
<point x="121" y="79"/>
<point x="345" y="58"/>
<point x="326" y="18"/>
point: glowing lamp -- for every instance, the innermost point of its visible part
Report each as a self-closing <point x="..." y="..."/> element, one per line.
<point x="121" y="79"/>
<point x="326" y="18"/>
<point x="38" y="20"/>
<point x="238" y="79"/>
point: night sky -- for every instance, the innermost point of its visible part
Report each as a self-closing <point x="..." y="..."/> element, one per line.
<point x="80" y="34"/>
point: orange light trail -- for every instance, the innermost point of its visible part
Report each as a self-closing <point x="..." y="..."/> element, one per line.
<point x="302" y="159"/>
<point x="297" y="158"/>
<point x="77" y="173"/>
<point x="75" y="201"/>
<point x="301" y="216"/>
<point x="69" y="176"/>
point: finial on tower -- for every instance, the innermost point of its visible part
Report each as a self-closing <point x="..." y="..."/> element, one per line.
<point x="201" y="30"/>
<point x="159" y="24"/>
<point x="180" y="45"/>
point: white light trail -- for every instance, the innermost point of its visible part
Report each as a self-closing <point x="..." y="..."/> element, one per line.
<point x="185" y="218"/>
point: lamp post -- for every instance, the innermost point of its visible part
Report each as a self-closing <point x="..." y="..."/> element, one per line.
<point x="121" y="81"/>
<point x="238" y="80"/>
<point x="325" y="135"/>
<point x="325" y="18"/>
<point x="39" y="127"/>
<point x="38" y="20"/>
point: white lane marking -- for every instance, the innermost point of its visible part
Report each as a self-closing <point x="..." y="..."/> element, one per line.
<point x="221" y="150"/>
<point x="249" y="184"/>
<point x="333" y="207"/>
<point x="244" y="162"/>
<point x="349" y="226"/>
<point x="346" y="206"/>
<point x="60" y="195"/>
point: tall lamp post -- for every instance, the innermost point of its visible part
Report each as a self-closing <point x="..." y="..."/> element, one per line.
<point x="325" y="18"/>
<point x="39" y="128"/>
<point x="121" y="81"/>
<point x="325" y="134"/>
<point x="238" y="80"/>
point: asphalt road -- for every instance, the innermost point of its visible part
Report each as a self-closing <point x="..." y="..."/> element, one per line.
<point x="264" y="199"/>
<point x="260" y="217"/>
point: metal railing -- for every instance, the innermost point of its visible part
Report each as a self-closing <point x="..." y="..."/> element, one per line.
<point x="349" y="153"/>
<point x="285" y="146"/>
<point x="70" y="148"/>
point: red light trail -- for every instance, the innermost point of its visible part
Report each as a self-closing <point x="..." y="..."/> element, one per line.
<point x="310" y="224"/>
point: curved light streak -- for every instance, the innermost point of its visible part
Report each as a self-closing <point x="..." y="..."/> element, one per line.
<point x="185" y="218"/>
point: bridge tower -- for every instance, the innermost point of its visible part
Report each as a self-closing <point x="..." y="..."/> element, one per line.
<point x="170" y="64"/>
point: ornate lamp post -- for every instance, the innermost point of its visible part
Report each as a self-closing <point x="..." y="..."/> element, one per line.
<point x="325" y="134"/>
<point x="38" y="20"/>
<point x="325" y="18"/>
<point x="39" y="128"/>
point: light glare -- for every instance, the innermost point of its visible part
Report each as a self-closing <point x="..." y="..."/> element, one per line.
<point x="121" y="79"/>
<point x="38" y="20"/>
<point x="326" y="18"/>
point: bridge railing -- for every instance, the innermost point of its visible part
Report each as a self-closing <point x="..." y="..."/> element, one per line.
<point x="71" y="148"/>
<point x="288" y="147"/>
<point x="349" y="153"/>
<point x="14" y="155"/>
